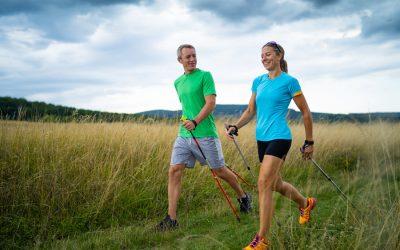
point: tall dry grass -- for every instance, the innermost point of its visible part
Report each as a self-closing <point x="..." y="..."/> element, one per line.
<point x="59" y="180"/>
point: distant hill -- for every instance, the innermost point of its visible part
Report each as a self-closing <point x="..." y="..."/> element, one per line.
<point x="21" y="109"/>
<point x="220" y="111"/>
<point x="225" y="110"/>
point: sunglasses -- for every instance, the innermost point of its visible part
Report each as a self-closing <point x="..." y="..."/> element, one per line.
<point x="274" y="45"/>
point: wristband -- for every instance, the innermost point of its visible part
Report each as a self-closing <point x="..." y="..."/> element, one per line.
<point x="194" y="122"/>
<point x="306" y="145"/>
<point x="309" y="143"/>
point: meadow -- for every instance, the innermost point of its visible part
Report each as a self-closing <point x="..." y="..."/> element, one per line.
<point x="104" y="186"/>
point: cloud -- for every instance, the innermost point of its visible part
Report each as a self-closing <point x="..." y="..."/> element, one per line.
<point x="125" y="99"/>
<point x="238" y="10"/>
<point x="378" y="17"/>
<point x="11" y="7"/>
<point x="124" y="49"/>
<point x="63" y="20"/>
<point x="322" y="3"/>
<point x="383" y="20"/>
<point x="121" y="57"/>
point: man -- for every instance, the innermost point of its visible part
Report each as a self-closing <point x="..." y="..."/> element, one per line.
<point x="196" y="92"/>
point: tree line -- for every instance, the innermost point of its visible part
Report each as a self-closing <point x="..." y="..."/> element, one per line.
<point x="22" y="109"/>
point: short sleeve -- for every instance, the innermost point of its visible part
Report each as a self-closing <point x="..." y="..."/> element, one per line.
<point x="294" y="87"/>
<point x="255" y="85"/>
<point x="176" y="89"/>
<point x="208" y="84"/>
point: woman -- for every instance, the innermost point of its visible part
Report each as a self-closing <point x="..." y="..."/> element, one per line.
<point x="271" y="95"/>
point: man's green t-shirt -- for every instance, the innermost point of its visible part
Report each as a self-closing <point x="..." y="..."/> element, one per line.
<point x="192" y="89"/>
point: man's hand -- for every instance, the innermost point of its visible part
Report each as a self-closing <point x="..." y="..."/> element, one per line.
<point x="189" y="125"/>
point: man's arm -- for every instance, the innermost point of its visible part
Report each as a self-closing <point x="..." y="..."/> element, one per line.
<point x="208" y="107"/>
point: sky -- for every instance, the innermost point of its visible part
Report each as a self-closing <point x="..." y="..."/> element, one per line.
<point x="120" y="56"/>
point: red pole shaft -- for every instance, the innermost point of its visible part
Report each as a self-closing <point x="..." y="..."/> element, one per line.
<point x="217" y="180"/>
<point x="226" y="195"/>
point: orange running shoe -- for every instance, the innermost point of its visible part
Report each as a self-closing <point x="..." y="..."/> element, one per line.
<point x="258" y="243"/>
<point x="305" y="212"/>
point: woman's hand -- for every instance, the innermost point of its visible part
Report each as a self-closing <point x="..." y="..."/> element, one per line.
<point x="308" y="152"/>
<point x="231" y="130"/>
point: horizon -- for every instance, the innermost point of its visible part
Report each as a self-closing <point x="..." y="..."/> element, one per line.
<point x="120" y="55"/>
<point x="171" y="110"/>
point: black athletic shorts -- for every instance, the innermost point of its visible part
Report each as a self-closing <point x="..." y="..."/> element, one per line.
<point x="278" y="148"/>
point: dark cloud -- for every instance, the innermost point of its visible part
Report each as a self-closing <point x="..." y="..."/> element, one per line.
<point x="378" y="17"/>
<point x="56" y="25"/>
<point x="64" y="25"/>
<point x="57" y="19"/>
<point x="233" y="10"/>
<point x="11" y="7"/>
<point x="382" y="21"/>
<point x="237" y="10"/>
<point x="322" y="3"/>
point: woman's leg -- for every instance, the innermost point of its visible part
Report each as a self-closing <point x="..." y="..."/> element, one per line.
<point x="288" y="190"/>
<point x="269" y="173"/>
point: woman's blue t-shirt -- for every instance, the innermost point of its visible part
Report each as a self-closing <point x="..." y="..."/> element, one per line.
<point x="272" y="101"/>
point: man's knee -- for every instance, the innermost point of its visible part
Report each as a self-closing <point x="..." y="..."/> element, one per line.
<point x="218" y="171"/>
<point x="221" y="172"/>
<point x="175" y="171"/>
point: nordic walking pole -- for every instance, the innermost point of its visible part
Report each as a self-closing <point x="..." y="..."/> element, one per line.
<point x="334" y="184"/>
<point x="240" y="152"/>
<point x="216" y="178"/>
<point x="241" y="178"/>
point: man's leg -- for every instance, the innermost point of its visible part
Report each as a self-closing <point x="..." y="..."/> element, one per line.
<point x="213" y="151"/>
<point x="174" y="188"/>
<point x="181" y="157"/>
<point x="227" y="175"/>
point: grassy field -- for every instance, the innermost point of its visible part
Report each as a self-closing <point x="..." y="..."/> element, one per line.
<point x="102" y="185"/>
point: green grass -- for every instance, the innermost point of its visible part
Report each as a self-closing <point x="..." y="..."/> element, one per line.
<point x="334" y="226"/>
<point x="94" y="185"/>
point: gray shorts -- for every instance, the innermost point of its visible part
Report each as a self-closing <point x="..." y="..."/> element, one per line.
<point x="186" y="152"/>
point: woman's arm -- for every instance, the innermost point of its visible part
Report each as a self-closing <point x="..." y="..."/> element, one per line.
<point x="301" y="103"/>
<point x="247" y="115"/>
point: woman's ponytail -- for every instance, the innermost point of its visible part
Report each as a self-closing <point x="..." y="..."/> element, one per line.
<point x="283" y="65"/>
